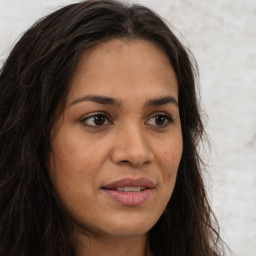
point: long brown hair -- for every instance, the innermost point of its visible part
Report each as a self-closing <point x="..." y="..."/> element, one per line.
<point x="34" y="83"/>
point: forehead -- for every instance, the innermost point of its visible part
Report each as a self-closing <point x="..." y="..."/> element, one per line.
<point x="124" y="67"/>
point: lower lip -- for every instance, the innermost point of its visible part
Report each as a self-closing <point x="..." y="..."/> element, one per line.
<point x="129" y="198"/>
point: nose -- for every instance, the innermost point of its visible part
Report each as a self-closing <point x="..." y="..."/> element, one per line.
<point x="132" y="147"/>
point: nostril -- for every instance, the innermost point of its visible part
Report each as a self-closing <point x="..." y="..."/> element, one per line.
<point x="125" y="161"/>
<point x="133" y="156"/>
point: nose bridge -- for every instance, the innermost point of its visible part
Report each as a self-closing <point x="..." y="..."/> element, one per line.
<point x="132" y="145"/>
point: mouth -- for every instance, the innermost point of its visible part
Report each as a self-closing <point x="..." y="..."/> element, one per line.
<point x="129" y="191"/>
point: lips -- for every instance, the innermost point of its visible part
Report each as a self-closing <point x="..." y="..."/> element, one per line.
<point x="129" y="191"/>
<point x="129" y="182"/>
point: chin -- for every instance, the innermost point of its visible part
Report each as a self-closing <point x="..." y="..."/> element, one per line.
<point x="119" y="226"/>
<point x="129" y="230"/>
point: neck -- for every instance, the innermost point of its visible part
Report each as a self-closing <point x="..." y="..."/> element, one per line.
<point x="102" y="245"/>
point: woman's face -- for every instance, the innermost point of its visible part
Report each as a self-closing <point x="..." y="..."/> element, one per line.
<point x="115" y="155"/>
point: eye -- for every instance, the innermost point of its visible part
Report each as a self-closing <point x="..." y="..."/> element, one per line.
<point x="161" y="120"/>
<point x="96" y="120"/>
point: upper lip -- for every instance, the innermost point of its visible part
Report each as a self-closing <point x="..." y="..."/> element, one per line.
<point x="130" y="182"/>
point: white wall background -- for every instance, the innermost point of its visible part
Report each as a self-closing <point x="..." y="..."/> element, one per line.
<point x="222" y="36"/>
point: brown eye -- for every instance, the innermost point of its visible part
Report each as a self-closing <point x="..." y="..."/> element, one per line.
<point x="160" y="120"/>
<point x="99" y="120"/>
<point x="95" y="120"/>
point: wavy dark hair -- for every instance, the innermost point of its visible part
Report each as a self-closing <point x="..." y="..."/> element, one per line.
<point x="34" y="84"/>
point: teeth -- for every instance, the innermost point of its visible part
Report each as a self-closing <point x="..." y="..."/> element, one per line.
<point x="130" y="189"/>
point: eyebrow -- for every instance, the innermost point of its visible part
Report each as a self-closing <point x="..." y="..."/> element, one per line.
<point x="104" y="100"/>
<point x="97" y="99"/>
<point x="161" y="101"/>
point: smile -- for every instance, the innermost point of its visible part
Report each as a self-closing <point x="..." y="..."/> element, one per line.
<point x="129" y="191"/>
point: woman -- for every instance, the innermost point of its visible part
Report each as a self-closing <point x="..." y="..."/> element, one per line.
<point x="99" y="131"/>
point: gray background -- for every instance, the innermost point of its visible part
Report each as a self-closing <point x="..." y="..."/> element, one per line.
<point x="222" y="36"/>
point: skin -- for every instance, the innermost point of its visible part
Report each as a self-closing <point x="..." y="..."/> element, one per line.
<point x="129" y="142"/>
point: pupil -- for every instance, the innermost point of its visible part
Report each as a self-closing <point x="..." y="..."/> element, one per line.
<point x="160" y="120"/>
<point x="99" y="120"/>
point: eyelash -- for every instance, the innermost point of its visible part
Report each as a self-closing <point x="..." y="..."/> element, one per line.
<point x="93" y="116"/>
<point x="168" y="120"/>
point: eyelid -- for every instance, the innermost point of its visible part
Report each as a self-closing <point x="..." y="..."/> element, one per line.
<point x="169" y="118"/>
<point x="88" y="116"/>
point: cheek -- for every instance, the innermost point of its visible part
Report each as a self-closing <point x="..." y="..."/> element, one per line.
<point x="71" y="153"/>
<point x="74" y="177"/>
<point x="68" y="165"/>
<point x="168" y="162"/>
<point x="169" y="158"/>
